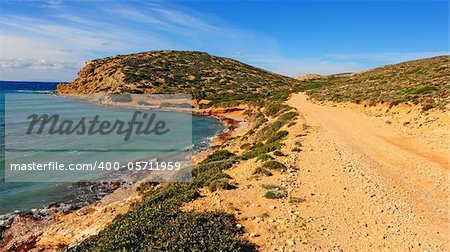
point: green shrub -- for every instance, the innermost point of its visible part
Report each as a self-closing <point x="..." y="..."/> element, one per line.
<point x="274" y="108"/>
<point x="275" y="194"/>
<point x="220" y="184"/>
<point x="271" y="129"/>
<point x="249" y="133"/>
<point x="264" y="157"/>
<point x="278" y="136"/>
<point x="205" y="174"/>
<point x="262" y="171"/>
<point x="296" y="200"/>
<point x="272" y="186"/>
<point x="420" y="90"/>
<point x="219" y="155"/>
<point x="274" y="165"/>
<point x="278" y="153"/>
<point x="259" y="149"/>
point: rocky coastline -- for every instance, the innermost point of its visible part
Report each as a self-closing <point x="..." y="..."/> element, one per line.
<point x="22" y="229"/>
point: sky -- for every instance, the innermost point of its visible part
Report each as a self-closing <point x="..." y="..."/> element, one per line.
<point x="51" y="40"/>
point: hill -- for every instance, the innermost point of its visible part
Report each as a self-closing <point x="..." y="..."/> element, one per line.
<point x="424" y="81"/>
<point x="200" y="74"/>
<point x="226" y="81"/>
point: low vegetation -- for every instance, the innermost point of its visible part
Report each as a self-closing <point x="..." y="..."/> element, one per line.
<point x="272" y="186"/>
<point x="274" y="165"/>
<point x="277" y="136"/>
<point x="276" y="194"/>
<point x="424" y="81"/>
<point x="264" y="157"/>
<point x="262" y="171"/>
<point x="278" y="153"/>
<point x="271" y="129"/>
<point x="158" y="224"/>
<point x="220" y="184"/>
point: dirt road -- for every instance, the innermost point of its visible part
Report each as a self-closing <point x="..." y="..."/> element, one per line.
<point x="368" y="187"/>
<point x="359" y="184"/>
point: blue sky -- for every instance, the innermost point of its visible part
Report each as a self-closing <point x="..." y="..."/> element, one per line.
<point x="50" y="40"/>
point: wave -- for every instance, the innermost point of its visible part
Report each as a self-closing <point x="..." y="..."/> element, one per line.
<point x="34" y="91"/>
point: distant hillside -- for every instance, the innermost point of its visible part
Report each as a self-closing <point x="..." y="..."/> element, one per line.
<point x="198" y="73"/>
<point x="424" y="81"/>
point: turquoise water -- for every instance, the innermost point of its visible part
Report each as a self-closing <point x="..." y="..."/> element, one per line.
<point x="25" y="196"/>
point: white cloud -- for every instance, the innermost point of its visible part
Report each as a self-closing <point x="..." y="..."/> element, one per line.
<point x="58" y="43"/>
<point x="185" y="20"/>
<point x="54" y="4"/>
<point x="34" y="64"/>
<point x="69" y="37"/>
<point x="33" y="48"/>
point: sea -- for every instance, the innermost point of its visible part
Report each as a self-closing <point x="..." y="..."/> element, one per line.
<point x="23" y="196"/>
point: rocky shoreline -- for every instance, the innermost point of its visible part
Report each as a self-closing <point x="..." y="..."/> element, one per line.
<point x="85" y="193"/>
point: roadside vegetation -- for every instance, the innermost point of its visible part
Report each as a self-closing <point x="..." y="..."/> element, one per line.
<point x="158" y="224"/>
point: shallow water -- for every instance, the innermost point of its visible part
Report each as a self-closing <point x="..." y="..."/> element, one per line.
<point x="25" y="196"/>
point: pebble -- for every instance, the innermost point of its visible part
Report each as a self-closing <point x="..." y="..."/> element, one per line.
<point x="290" y="242"/>
<point x="254" y="235"/>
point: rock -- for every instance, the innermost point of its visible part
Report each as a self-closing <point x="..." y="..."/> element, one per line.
<point x="114" y="185"/>
<point x="6" y="216"/>
<point x="254" y="235"/>
<point x="65" y="208"/>
<point x="290" y="242"/>
<point x="336" y="249"/>
<point x="6" y="222"/>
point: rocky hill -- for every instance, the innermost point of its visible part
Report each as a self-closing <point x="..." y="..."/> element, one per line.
<point x="424" y="81"/>
<point x="197" y="73"/>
